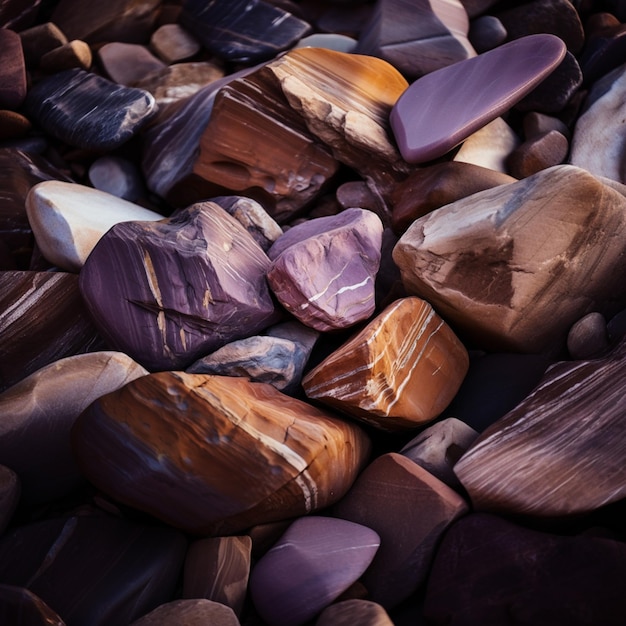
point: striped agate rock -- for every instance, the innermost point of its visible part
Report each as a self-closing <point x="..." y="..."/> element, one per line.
<point x="560" y="451"/>
<point x="214" y="455"/>
<point x="400" y="371"/>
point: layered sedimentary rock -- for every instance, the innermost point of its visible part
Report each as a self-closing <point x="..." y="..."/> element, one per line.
<point x="560" y="451"/>
<point x="172" y="291"/>
<point x="400" y="371"/>
<point x="216" y="455"/>
<point x="515" y="266"/>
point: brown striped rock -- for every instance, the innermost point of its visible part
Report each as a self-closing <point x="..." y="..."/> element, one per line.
<point x="169" y="292"/>
<point x="399" y="372"/>
<point x="216" y="455"/>
<point x="561" y="450"/>
<point x="515" y="266"/>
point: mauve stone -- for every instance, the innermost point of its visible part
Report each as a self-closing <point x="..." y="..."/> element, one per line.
<point x="311" y="565"/>
<point x="10" y="490"/>
<point x="117" y="176"/>
<point x="21" y="607"/>
<point x="169" y="292"/>
<point x="173" y="43"/>
<point x="417" y="36"/>
<point x="351" y="612"/>
<point x="189" y="613"/>
<point x="399" y="372"/>
<point x="40" y="39"/>
<point x="560" y="451"/>
<point x="431" y="187"/>
<point x="262" y="359"/>
<point x="538" y="153"/>
<point x="157" y="444"/>
<point x="88" y="111"/>
<point x="242" y="31"/>
<point x="72" y="54"/>
<point x="494" y="384"/>
<point x="38" y="414"/>
<point x="218" y="569"/>
<point x="410" y="509"/>
<point x="439" y="447"/>
<point x="496" y="266"/>
<point x="357" y="193"/>
<point x="428" y="119"/>
<point x="588" y="337"/>
<point x="42" y="319"/>
<point x="491" y="571"/>
<point x="12" y="70"/>
<point x="69" y="219"/>
<point x="128" y="63"/>
<point x="486" y="33"/>
<point x="95" y="570"/>
<point x="323" y="270"/>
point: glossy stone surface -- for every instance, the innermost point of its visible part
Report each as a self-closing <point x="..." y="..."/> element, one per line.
<point x="284" y="458"/>
<point x="182" y="287"/>
<point x="12" y="70"/>
<point x="350" y="612"/>
<point x="39" y="411"/>
<point x="20" y="607"/>
<point x="42" y="319"/>
<point x="243" y="31"/>
<point x="311" y="565"/>
<point x="218" y="569"/>
<point x="10" y="490"/>
<point x="399" y="372"/>
<point x="95" y="570"/>
<point x="323" y="270"/>
<point x="69" y="219"/>
<point x="419" y="36"/>
<point x="428" y="119"/>
<point x="189" y="613"/>
<point x="496" y="266"/>
<point x="40" y="39"/>
<point x="410" y="509"/>
<point x="588" y="337"/>
<point x="173" y="43"/>
<point x="88" y="111"/>
<point x="567" y="435"/>
<point x="491" y="571"/>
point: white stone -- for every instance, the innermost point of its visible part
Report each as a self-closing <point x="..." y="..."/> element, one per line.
<point x="69" y="219"/>
<point x="330" y="41"/>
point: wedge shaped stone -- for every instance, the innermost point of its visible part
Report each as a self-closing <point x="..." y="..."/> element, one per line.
<point x="560" y="451"/>
<point x="214" y="455"/>
<point x="168" y="292"/>
<point x="399" y="372"/>
<point x="441" y="109"/>
<point x="515" y="266"/>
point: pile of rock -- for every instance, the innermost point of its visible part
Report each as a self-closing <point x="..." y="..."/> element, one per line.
<point x="312" y="312"/>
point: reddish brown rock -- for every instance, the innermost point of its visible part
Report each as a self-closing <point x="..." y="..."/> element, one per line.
<point x="128" y="63"/>
<point x="538" y="153"/>
<point x="42" y="319"/>
<point x="560" y="451"/>
<point x="39" y="40"/>
<point x="172" y="43"/>
<point x="218" y="569"/>
<point x="73" y="54"/>
<point x="189" y="613"/>
<point x="410" y="509"/>
<point x="515" y="266"/>
<point x="399" y="372"/>
<point x="12" y="70"/>
<point x="158" y="444"/>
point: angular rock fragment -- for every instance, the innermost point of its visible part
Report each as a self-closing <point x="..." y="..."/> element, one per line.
<point x="73" y="54"/>
<point x="538" y="153"/>
<point x="243" y="31"/>
<point x="168" y="292"/>
<point x="312" y="564"/>
<point x="12" y="70"/>
<point x="128" y="63"/>
<point x="69" y="219"/>
<point x="158" y="444"/>
<point x="399" y="372"/>
<point x="560" y="451"/>
<point x="515" y="266"/>
<point x="323" y="270"/>
<point x="410" y="509"/>
<point x="88" y="111"/>
<point x="189" y="613"/>
<point x="441" y="109"/>
<point x="173" y="43"/>
<point x="21" y="607"/>
<point x="39" y="411"/>
<point x="417" y="36"/>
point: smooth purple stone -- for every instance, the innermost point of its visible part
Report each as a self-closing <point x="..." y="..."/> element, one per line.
<point x="443" y="108"/>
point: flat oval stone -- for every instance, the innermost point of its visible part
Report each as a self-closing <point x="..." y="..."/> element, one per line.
<point x="215" y="454"/>
<point x="72" y="54"/>
<point x="21" y="607"/>
<point x="39" y="411"/>
<point x="312" y="564"/>
<point x="588" y="337"/>
<point x="173" y="43"/>
<point x="323" y="270"/>
<point x="88" y="111"/>
<point x="69" y="219"/>
<point x="441" y="109"/>
<point x="399" y="372"/>
<point x="40" y="39"/>
<point x="560" y="451"/>
<point x="169" y="292"/>
<point x="538" y="153"/>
